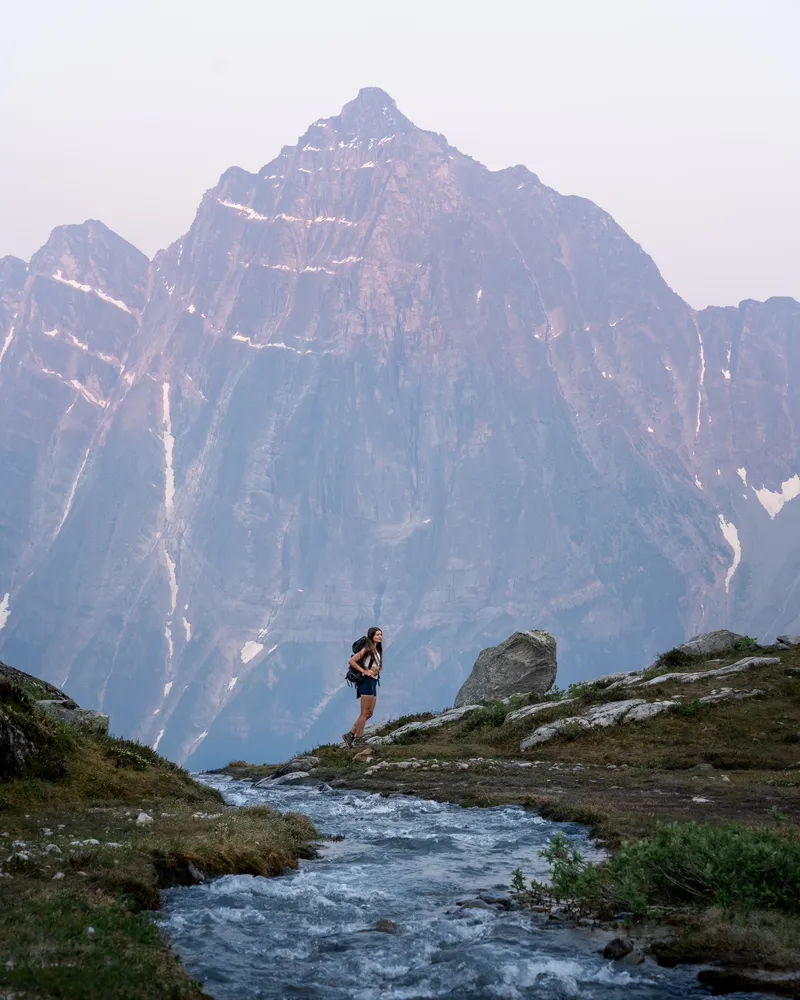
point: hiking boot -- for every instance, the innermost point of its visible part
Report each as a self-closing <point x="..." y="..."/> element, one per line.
<point x="349" y="738"/>
<point x="359" y="741"/>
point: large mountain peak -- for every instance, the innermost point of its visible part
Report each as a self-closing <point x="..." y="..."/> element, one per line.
<point x="377" y="383"/>
<point x="90" y="255"/>
<point x="373" y="111"/>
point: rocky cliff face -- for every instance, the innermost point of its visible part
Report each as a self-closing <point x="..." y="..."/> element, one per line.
<point x="376" y="381"/>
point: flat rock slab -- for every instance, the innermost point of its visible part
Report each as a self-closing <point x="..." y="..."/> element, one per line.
<point x="542" y="706"/>
<point x="647" y="711"/>
<point x="789" y="640"/>
<point x="698" y="675"/>
<point x="598" y="717"/>
<point x="453" y="715"/>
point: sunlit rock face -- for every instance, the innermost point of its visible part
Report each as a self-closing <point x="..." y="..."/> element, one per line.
<point x="376" y="383"/>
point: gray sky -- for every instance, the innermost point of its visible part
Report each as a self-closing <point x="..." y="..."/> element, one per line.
<point x="680" y="117"/>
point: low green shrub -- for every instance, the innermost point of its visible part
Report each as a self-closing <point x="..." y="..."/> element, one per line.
<point x="487" y="716"/>
<point x="588" y="691"/>
<point x="570" y="730"/>
<point x="690" y="707"/>
<point x="730" y="866"/>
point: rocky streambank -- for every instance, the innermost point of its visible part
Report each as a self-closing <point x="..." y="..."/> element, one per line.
<point x="706" y="738"/>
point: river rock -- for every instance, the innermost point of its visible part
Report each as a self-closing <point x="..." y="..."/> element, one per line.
<point x="617" y="948"/>
<point x="387" y="926"/>
<point x="525" y="662"/>
<point x="295" y="778"/>
<point x="708" y="643"/>
<point x="305" y="764"/>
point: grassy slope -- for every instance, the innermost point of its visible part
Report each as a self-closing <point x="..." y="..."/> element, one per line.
<point x="76" y="920"/>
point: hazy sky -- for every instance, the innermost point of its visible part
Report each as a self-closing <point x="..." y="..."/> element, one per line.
<point x="680" y="117"/>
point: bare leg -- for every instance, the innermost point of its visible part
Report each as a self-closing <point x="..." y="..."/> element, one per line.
<point x="367" y="710"/>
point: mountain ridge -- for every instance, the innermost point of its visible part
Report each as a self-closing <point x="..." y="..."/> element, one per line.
<point x="508" y="365"/>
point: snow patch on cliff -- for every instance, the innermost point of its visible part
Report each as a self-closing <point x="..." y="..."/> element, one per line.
<point x="701" y="380"/>
<point x="158" y="739"/>
<point x="250" y="650"/>
<point x="73" y="488"/>
<point x="742" y="474"/>
<point x="7" y="342"/>
<point x="773" y="500"/>
<point x="187" y="628"/>
<point x="5" y="611"/>
<point x="169" y="445"/>
<point x="173" y="581"/>
<point x="731" y="536"/>
<point x="168" y="688"/>
<point x="87" y="395"/>
<point x="245" y="210"/>
<point x="90" y="290"/>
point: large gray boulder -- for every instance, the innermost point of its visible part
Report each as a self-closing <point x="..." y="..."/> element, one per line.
<point x="524" y="663"/>
<point x="709" y="643"/>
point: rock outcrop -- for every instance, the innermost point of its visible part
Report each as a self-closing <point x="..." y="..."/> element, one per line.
<point x="710" y="643"/>
<point x="452" y="715"/>
<point x="16" y="747"/>
<point x="640" y="709"/>
<point x="84" y="718"/>
<point x="524" y="663"/>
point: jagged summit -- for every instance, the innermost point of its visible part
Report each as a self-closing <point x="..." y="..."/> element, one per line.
<point x="371" y="114"/>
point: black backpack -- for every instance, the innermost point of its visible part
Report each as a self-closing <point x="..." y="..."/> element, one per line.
<point x="353" y="676"/>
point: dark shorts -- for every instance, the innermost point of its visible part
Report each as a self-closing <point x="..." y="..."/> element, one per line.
<point x="367" y="685"/>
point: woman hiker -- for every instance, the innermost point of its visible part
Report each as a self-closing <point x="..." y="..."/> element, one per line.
<point x="367" y="662"/>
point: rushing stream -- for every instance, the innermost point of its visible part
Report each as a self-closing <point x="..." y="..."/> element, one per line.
<point x="310" y="934"/>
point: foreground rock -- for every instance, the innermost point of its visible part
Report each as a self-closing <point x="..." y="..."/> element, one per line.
<point x="452" y="715"/>
<point x="524" y="663"/>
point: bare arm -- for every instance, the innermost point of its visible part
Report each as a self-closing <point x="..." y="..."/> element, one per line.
<point x="357" y="666"/>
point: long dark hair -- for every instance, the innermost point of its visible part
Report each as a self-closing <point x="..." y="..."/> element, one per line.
<point x="374" y="649"/>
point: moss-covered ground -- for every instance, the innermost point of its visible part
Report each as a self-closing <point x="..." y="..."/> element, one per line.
<point x="89" y="832"/>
